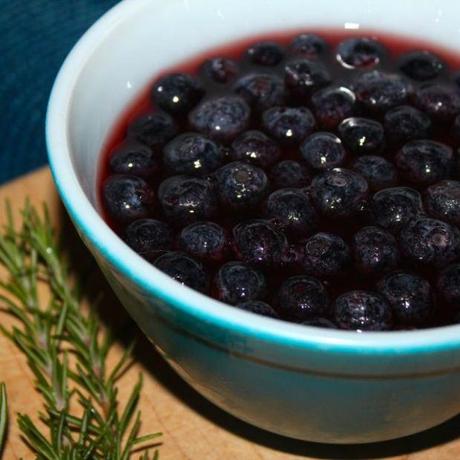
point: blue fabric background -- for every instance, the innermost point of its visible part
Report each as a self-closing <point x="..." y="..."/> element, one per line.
<point x="35" y="37"/>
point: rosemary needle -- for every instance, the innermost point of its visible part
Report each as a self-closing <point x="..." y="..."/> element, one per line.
<point x="3" y="416"/>
<point x="82" y="417"/>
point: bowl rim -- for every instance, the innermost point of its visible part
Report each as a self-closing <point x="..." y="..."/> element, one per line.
<point x="134" y="267"/>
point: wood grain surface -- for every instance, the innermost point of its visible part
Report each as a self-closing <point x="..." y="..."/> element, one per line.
<point x="193" y="428"/>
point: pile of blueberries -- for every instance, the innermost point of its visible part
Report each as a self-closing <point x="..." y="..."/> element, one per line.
<point x="308" y="182"/>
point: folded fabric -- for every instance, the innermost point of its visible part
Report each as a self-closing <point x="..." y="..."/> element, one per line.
<point x="35" y="36"/>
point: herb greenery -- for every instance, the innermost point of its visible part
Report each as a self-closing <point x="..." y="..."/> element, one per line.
<point x="82" y="418"/>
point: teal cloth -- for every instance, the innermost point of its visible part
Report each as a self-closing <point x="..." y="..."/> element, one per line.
<point x="35" y="37"/>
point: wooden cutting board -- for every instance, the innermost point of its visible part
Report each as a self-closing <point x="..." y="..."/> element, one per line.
<point x="192" y="427"/>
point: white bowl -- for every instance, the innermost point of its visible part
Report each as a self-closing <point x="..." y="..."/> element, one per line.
<point x="308" y="383"/>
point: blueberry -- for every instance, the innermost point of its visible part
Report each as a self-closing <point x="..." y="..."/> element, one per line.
<point x="260" y="91"/>
<point x="325" y="254"/>
<point x="236" y="282"/>
<point x="183" y="269"/>
<point x="421" y="65"/>
<point x="192" y="153"/>
<point x="153" y="129"/>
<point x="448" y="285"/>
<point x="442" y="201"/>
<point x="425" y="162"/>
<point x="339" y="192"/>
<point x="362" y="311"/>
<point x="256" y="148"/>
<point x="220" y="69"/>
<point x="456" y="79"/>
<point x="320" y="322"/>
<point x="177" y="93"/>
<point x="441" y="103"/>
<point x="241" y="185"/>
<point x="308" y="46"/>
<point x="405" y="123"/>
<point x="332" y="105"/>
<point x="362" y="136"/>
<point x="258" y="307"/>
<point x="258" y="243"/>
<point x="222" y="118"/>
<point x="289" y="173"/>
<point x="149" y="237"/>
<point x="410" y="297"/>
<point x="134" y="158"/>
<point x="302" y="77"/>
<point x="375" y="251"/>
<point x="204" y="240"/>
<point x="265" y="53"/>
<point x="377" y="91"/>
<point x="323" y="150"/>
<point x="430" y="242"/>
<point x="378" y="172"/>
<point x="127" y="198"/>
<point x="360" y="52"/>
<point x="187" y="199"/>
<point x="393" y="208"/>
<point x="288" y="125"/>
<point x="291" y="210"/>
<point x="301" y="298"/>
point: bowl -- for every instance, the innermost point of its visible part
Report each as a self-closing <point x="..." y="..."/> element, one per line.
<point x="308" y="383"/>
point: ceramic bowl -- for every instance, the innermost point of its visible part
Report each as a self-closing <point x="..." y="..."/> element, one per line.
<point x="307" y="383"/>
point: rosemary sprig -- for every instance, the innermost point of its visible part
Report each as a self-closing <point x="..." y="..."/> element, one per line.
<point x="3" y="416"/>
<point x="66" y="352"/>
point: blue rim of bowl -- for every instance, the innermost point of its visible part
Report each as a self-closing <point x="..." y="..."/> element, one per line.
<point x="153" y="281"/>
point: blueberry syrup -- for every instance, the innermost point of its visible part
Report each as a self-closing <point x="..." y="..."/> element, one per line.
<point x="308" y="176"/>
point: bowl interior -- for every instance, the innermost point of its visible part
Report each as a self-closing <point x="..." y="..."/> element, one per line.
<point x="117" y="58"/>
<point x="139" y="40"/>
